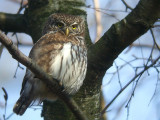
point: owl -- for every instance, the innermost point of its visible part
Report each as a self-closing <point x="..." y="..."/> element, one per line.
<point x="60" y="52"/>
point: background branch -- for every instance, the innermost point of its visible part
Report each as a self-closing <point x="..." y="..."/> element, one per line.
<point x="12" y="23"/>
<point x="122" y="34"/>
<point x="133" y="79"/>
<point x="1" y="49"/>
<point x="127" y="6"/>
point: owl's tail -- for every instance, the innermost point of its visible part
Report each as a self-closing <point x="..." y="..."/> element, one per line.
<point x="22" y="104"/>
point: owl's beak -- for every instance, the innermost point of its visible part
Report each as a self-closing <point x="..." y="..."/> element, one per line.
<point x="67" y="32"/>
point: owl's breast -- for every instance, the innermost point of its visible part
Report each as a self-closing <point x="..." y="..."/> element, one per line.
<point x="69" y="66"/>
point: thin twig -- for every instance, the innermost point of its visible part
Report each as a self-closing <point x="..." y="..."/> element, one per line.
<point x="22" y="6"/>
<point x="118" y="75"/>
<point x="141" y="51"/>
<point x="155" y="88"/>
<point x="1" y="49"/>
<point x="140" y="73"/>
<point x="121" y="67"/>
<point x="5" y="98"/>
<point x="154" y="39"/>
<point x="143" y="45"/>
<point x="9" y="116"/>
<point x="134" y="88"/>
<point x="127" y="6"/>
<point x="128" y="111"/>
<point x="156" y="26"/>
<point x="150" y="56"/>
<point x="18" y="65"/>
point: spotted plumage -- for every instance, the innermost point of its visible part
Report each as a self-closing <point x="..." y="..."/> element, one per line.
<point x="61" y="52"/>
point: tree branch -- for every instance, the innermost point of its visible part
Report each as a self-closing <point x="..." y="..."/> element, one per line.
<point x="12" y="23"/>
<point x="48" y="80"/>
<point x="133" y="79"/>
<point x="127" y="6"/>
<point x="122" y="34"/>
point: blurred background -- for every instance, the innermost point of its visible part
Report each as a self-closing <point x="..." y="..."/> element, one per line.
<point x="139" y="101"/>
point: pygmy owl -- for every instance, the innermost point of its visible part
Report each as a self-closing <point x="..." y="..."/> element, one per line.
<point x="61" y="52"/>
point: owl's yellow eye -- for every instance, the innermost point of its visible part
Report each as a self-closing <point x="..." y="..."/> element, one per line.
<point x="59" y="25"/>
<point x="74" y="27"/>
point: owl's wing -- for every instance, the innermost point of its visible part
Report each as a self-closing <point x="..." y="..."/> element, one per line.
<point x="27" y="76"/>
<point x="42" y="52"/>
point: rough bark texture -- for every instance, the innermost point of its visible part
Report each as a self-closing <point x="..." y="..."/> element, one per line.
<point x="100" y="55"/>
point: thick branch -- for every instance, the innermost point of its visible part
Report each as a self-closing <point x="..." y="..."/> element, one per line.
<point x="48" y="80"/>
<point x="12" y="22"/>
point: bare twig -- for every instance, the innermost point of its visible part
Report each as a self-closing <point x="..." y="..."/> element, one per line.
<point x="154" y="40"/>
<point x="127" y="6"/>
<point x="150" y="56"/>
<point x="155" y="88"/>
<point x="9" y="116"/>
<point x="1" y="49"/>
<point x="156" y="25"/>
<point x="128" y="111"/>
<point x="143" y="45"/>
<point x="141" y="52"/>
<point x="139" y="74"/>
<point x="128" y="62"/>
<point x="53" y="84"/>
<point x="5" y="98"/>
<point x="118" y="75"/>
<point x="121" y="67"/>
<point x="134" y="88"/>
<point x="22" y="6"/>
<point x="18" y="65"/>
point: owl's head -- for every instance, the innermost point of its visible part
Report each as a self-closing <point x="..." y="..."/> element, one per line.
<point x="65" y="24"/>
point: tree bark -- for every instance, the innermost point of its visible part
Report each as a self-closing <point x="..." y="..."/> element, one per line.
<point x="12" y="22"/>
<point x="100" y="55"/>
